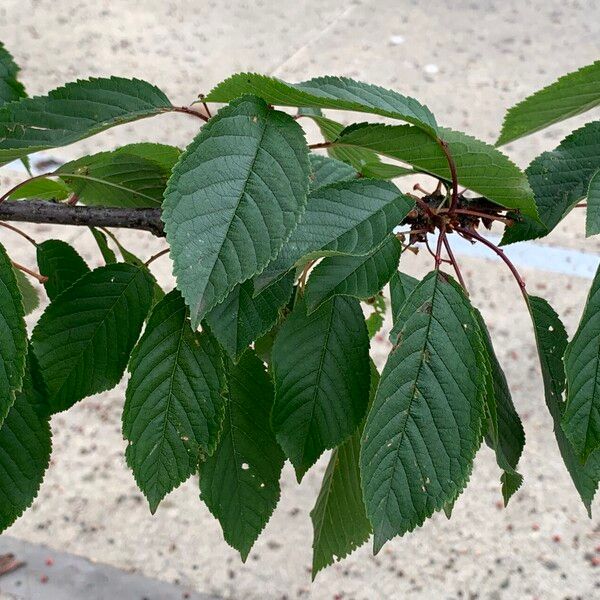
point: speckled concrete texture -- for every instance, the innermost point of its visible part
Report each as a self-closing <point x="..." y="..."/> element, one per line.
<point x="467" y="61"/>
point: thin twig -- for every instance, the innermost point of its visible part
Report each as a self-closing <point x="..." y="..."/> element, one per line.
<point x="320" y="145"/>
<point x="155" y="256"/>
<point x="455" y="264"/>
<point x="36" y="275"/>
<point x="438" y="251"/>
<point x="190" y="111"/>
<point x="476" y="213"/>
<point x="452" y="165"/>
<point x="21" y="233"/>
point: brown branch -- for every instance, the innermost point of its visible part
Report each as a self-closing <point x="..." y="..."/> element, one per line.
<point x="452" y="166"/>
<point x="34" y="274"/>
<point x="21" y="233"/>
<point x="455" y="265"/>
<point x="55" y="213"/>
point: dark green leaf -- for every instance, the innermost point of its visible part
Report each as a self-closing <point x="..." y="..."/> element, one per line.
<point x="10" y="87"/>
<point x="480" y="167"/>
<point x="401" y="286"/>
<point x="326" y="171"/>
<point x="358" y="276"/>
<point x="174" y="401"/>
<point x="425" y="425"/>
<point x="339" y="93"/>
<point x="581" y="419"/>
<point x="570" y="95"/>
<point x="25" y="446"/>
<point x="61" y="264"/>
<point x="13" y="336"/>
<point x="85" y="336"/>
<point x="240" y="481"/>
<point x="29" y="294"/>
<point x="233" y="199"/>
<point x="343" y="218"/>
<point x="320" y="365"/>
<point x="242" y="317"/>
<point x="552" y="340"/>
<point x="107" y="253"/>
<point x="559" y="179"/>
<point x="75" y="111"/>
<point x="592" y="224"/>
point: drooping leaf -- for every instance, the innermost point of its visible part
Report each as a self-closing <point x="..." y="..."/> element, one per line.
<point x="592" y="223"/>
<point x="581" y="418"/>
<point x="358" y="276"/>
<point x="570" y="95"/>
<point x="480" y="167"/>
<point x="174" y="402"/>
<point x="41" y="189"/>
<point x="75" y="111"/>
<point x="61" y="264"/>
<point x="343" y="218"/>
<point x="339" y="93"/>
<point x="128" y="176"/>
<point x="13" y="335"/>
<point x="85" y="336"/>
<point x="242" y="317"/>
<point x="320" y="365"/>
<point x="374" y="323"/>
<point x="29" y="294"/>
<point x="326" y="171"/>
<point x="340" y="523"/>
<point x="234" y="197"/>
<point x="240" y="481"/>
<point x="551" y="339"/>
<point x="11" y="89"/>
<point x="559" y="179"/>
<point x="401" y="286"/>
<point x="505" y="434"/>
<point x="107" y="252"/>
<point x="424" y="428"/>
<point x="25" y="446"/>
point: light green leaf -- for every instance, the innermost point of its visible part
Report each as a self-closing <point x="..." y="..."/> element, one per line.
<point x="340" y="523"/>
<point x="425" y="425"/>
<point x="174" y="402"/>
<point x="401" y="286"/>
<point x="551" y="339"/>
<point x="75" y="111"/>
<point x="240" y="481"/>
<point x="339" y="93"/>
<point x="25" y="446"/>
<point x="234" y="197"/>
<point x="480" y="167"/>
<point x="559" y="179"/>
<point x="107" y="253"/>
<point x="343" y="218"/>
<point x="41" y="189"/>
<point x="581" y="419"/>
<point x="13" y="336"/>
<point x="567" y="97"/>
<point x="325" y="171"/>
<point x="242" y="317"/>
<point x="592" y="223"/>
<point x="85" y="336"/>
<point x="10" y="87"/>
<point x="29" y="294"/>
<point x="374" y="323"/>
<point x="505" y="434"/>
<point x="61" y="264"/>
<point x="358" y="276"/>
<point x="320" y="365"/>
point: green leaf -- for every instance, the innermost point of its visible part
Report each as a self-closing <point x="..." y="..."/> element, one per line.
<point x="61" y="264"/>
<point x="425" y="425"/>
<point x="559" y="179"/>
<point x="592" y="224"/>
<point x="551" y="339"/>
<point x="41" y="189"/>
<point x="128" y="176"/>
<point x="234" y="197"/>
<point x="29" y="294"/>
<point x="581" y="419"/>
<point x="240" y="481"/>
<point x="73" y="112"/>
<point x="85" y="336"/>
<point x="339" y="93"/>
<point x="480" y="167"/>
<point x="25" y="446"/>
<point x="107" y="253"/>
<point x="567" y="97"/>
<point x="357" y="276"/>
<point x="13" y="335"/>
<point x="10" y="87"/>
<point x="242" y="317"/>
<point x="343" y="218"/>
<point x="340" y="523"/>
<point x="505" y="434"/>
<point x="401" y="286"/>
<point x="174" y="402"/>
<point x="320" y="365"/>
<point x="326" y="171"/>
<point x="374" y="324"/>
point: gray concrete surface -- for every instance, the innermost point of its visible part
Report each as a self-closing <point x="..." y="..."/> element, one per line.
<point x="468" y="61"/>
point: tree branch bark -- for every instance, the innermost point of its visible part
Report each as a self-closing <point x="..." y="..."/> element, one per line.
<point x="40" y="211"/>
